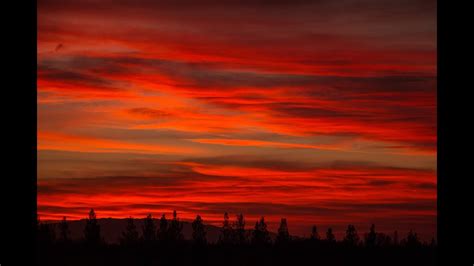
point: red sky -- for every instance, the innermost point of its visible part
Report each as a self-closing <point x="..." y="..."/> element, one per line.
<point x="323" y="112"/>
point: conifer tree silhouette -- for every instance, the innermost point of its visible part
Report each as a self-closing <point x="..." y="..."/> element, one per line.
<point x="92" y="229"/>
<point x="198" y="252"/>
<point x="330" y="236"/>
<point x="163" y="229"/>
<point x="351" y="238"/>
<point x="46" y="233"/>
<point x="175" y="229"/>
<point x="64" y="231"/>
<point x="149" y="229"/>
<point x="239" y="230"/>
<point x="38" y="231"/>
<point x="283" y="234"/>
<point x="130" y="235"/>
<point x="383" y="240"/>
<point x="199" y="232"/>
<point x="395" y="238"/>
<point x="370" y="240"/>
<point x="260" y="234"/>
<point x="227" y="231"/>
<point x="314" y="233"/>
<point x="412" y="239"/>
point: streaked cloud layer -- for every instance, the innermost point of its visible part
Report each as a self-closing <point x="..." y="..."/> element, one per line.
<point x="319" y="111"/>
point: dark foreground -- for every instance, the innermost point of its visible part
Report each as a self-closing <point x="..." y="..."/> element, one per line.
<point x="305" y="252"/>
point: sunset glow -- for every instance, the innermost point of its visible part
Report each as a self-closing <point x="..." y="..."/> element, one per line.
<point x="322" y="112"/>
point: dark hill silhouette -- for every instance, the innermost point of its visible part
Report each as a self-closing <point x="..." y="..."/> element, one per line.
<point x="111" y="229"/>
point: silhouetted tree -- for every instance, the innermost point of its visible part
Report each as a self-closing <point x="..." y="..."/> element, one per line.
<point x="130" y="235"/>
<point x="239" y="230"/>
<point x="314" y="233"/>
<point x="370" y="239"/>
<point x="283" y="234"/>
<point x="260" y="235"/>
<point x="163" y="230"/>
<point x="199" y="253"/>
<point x="330" y="236"/>
<point x="64" y="231"/>
<point x="92" y="229"/>
<point x="383" y="240"/>
<point x="395" y="238"/>
<point x="175" y="228"/>
<point x="227" y="231"/>
<point x="46" y="234"/>
<point x="351" y="238"/>
<point x="199" y="232"/>
<point x="412" y="239"/>
<point x="38" y="226"/>
<point x="149" y="229"/>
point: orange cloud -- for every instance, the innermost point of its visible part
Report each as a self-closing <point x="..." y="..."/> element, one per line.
<point x="58" y="141"/>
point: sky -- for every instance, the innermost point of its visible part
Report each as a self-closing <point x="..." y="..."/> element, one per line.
<point x="322" y="112"/>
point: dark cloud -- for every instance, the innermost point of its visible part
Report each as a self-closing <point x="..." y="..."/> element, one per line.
<point x="418" y="205"/>
<point x="244" y="160"/>
<point x="325" y="5"/>
<point x="58" y="47"/>
<point x="75" y="78"/>
<point x="293" y="110"/>
<point x="211" y="76"/>
<point x="429" y="186"/>
<point x="149" y="112"/>
<point x="252" y="161"/>
<point x="380" y="183"/>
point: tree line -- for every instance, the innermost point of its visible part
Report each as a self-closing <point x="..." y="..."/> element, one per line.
<point x="232" y="233"/>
